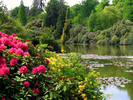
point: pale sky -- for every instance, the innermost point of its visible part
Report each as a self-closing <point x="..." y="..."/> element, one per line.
<point x="10" y="4"/>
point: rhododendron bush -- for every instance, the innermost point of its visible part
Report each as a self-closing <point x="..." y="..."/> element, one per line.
<point x="26" y="74"/>
<point x="23" y="74"/>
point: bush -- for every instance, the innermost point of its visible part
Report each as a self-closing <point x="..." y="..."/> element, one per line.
<point x="84" y="85"/>
<point x="48" y="38"/>
<point x="117" y="34"/>
<point x="9" y="25"/>
<point x="31" y="76"/>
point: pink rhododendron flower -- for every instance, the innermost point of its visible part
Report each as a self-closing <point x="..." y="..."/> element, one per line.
<point x="25" y="47"/>
<point x="2" y="48"/>
<point x="19" y="45"/>
<point x="15" y="40"/>
<point x="38" y="54"/>
<point x="5" y="71"/>
<point x="13" y="62"/>
<point x="36" y="85"/>
<point x="4" y="35"/>
<point x="12" y="50"/>
<point x="3" y="63"/>
<point x="23" y="69"/>
<point x="3" y="99"/>
<point x="47" y="61"/>
<point x="13" y="44"/>
<point x="13" y="34"/>
<point x="36" y="90"/>
<point x="27" y="40"/>
<point x="19" y="52"/>
<point x="26" y="84"/>
<point x="19" y="41"/>
<point x="26" y="54"/>
<point x="0" y="41"/>
<point x="41" y="69"/>
<point x="34" y="70"/>
<point x="5" y="40"/>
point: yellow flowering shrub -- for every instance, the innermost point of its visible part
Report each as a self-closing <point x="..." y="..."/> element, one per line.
<point x="73" y="78"/>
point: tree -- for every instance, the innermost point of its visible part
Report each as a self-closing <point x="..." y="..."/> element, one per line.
<point x="115" y="2"/>
<point x="88" y="6"/>
<point x="65" y="34"/>
<point x="98" y="21"/>
<point x="14" y="12"/>
<point x="37" y="8"/>
<point x="51" y="13"/>
<point x="22" y="14"/>
<point x="128" y="10"/>
<point x="75" y="10"/>
<point x="113" y="14"/>
<point x="61" y="19"/>
<point x="101" y="5"/>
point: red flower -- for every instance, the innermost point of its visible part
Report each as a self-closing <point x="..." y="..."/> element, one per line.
<point x="26" y="54"/>
<point x="27" y="40"/>
<point x="23" y="69"/>
<point x="47" y="61"/>
<point x="13" y="62"/>
<point x="26" y="84"/>
<point x="12" y="50"/>
<point x="3" y="99"/>
<point x="34" y="70"/>
<point x="36" y="90"/>
<point x="38" y="54"/>
<point x="49" y="77"/>
<point x="2" y="48"/>
<point x="19" y="52"/>
<point x="41" y="69"/>
<point x="36" y="85"/>
<point x="25" y="47"/>
<point x="5" y="40"/>
<point x="48" y="68"/>
<point x="4" y="71"/>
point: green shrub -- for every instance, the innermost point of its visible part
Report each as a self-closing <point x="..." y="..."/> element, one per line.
<point x="129" y="39"/>
<point x="9" y="25"/>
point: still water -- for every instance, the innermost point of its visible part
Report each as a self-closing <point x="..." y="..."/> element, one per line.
<point x="115" y="64"/>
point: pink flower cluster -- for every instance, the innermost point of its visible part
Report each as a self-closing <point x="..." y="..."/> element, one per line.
<point x="16" y="44"/>
<point x="13" y="62"/>
<point x="40" y="69"/>
<point x="26" y="84"/>
<point x="4" y="70"/>
<point x="23" y="69"/>
<point x="13" y="45"/>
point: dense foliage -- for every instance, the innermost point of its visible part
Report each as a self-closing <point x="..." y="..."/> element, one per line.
<point x="120" y="33"/>
<point x="67" y="25"/>
<point x="128" y="10"/>
<point x="79" y="34"/>
<point x="26" y="73"/>
<point x="9" y="25"/>
<point x="22" y="14"/>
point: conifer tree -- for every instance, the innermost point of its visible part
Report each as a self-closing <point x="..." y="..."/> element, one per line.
<point x="128" y="10"/>
<point x="22" y="14"/>
<point x="65" y="34"/>
<point x="61" y="19"/>
<point x="51" y="13"/>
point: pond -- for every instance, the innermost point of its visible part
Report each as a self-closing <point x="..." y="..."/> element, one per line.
<point x="115" y="64"/>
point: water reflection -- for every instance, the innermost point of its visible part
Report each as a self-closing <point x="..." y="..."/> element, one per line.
<point x="112" y="70"/>
<point x="121" y="50"/>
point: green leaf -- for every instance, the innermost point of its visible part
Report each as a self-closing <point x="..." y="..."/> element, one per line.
<point x="64" y="88"/>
